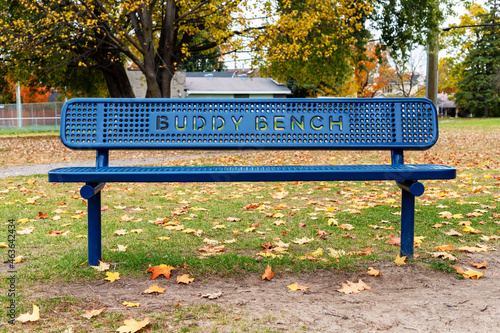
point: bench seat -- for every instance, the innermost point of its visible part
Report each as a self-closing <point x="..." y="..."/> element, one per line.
<point x="252" y="173"/>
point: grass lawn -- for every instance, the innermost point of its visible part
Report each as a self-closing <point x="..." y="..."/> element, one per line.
<point x="233" y="229"/>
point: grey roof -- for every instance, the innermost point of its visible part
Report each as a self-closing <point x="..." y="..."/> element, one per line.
<point x="256" y="85"/>
<point x="214" y="74"/>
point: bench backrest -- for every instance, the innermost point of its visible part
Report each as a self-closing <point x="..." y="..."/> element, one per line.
<point x="323" y="123"/>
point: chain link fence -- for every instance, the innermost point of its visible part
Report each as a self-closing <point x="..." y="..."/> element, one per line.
<point x="32" y="116"/>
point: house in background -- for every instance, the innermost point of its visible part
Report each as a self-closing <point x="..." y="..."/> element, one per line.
<point x="411" y="86"/>
<point x="227" y="84"/>
<point x="446" y="107"/>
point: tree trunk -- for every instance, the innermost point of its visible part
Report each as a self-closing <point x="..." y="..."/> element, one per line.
<point x="117" y="81"/>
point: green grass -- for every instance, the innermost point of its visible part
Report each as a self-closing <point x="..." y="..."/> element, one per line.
<point x="307" y="208"/>
<point x="30" y="131"/>
<point x="470" y="123"/>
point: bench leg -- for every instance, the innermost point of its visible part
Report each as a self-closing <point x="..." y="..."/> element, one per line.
<point x="94" y="229"/>
<point x="407" y="223"/>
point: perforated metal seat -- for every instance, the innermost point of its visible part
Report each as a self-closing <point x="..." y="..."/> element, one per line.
<point x="251" y="173"/>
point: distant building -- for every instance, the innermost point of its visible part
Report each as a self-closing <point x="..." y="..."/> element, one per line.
<point x="227" y="84"/>
<point x="411" y="85"/>
<point x="446" y="107"/>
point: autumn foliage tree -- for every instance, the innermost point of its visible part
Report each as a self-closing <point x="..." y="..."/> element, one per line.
<point x="156" y="36"/>
<point x="311" y="42"/>
<point x="372" y="72"/>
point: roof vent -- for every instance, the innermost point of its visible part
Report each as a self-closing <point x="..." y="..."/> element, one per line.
<point x="209" y="76"/>
<point x="243" y="76"/>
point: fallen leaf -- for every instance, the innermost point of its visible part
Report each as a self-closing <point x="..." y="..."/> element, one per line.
<point x="131" y="305"/>
<point x="92" y="313"/>
<point x="445" y="248"/>
<point x="373" y="272"/>
<point x="471" y="249"/>
<point x="102" y="266"/>
<point x="303" y="240"/>
<point x="400" y="260"/>
<point x="154" y="289"/>
<point x="160" y="270"/>
<point x="120" y="232"/>
<point x="131" y="325"/>
<point x="296" y="286"/>
<point x="210" y="249"/>
<point x="233" y="219"/>
<point x="443" y="255"/>
<point x="184" y="279"/>
<point x="25" y="317"/>
<point x="452" y="232"/>
<point x="483" y="264"/>
<point x="112" y="276"/>
<point x="469" y="274"/>
<point x="268" y="273"/>
<point x="353" y="288"/>
<point x="212" y="295"/>
<point x="346" y="226"/>
<point x="393" y="240"/>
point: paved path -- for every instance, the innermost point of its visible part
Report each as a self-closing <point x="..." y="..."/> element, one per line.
<point x="26" y="170"/>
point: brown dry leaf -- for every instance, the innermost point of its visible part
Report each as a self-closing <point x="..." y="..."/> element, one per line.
<point x="209" y="249"/>
<point x="212" y="295"/>
<point x="233" y="219"/>
<point x="92" y="313"/>
<point x="400" y="260"/>
<point x="154" y="289"/>
<point x="443" y="255"/>
<point x="268" y="273"/>
<point x="483" y="264"/>
<point x="346" y="226"/>
<point x="471" y="249"/>
<point x="303" y="240"/>
<point x="131" y="325"/>
<point x="126" y="218"/>
<point x="452" y="232"/>
<point x="25" y="317"/>
<point x="184" y="279"/>
<point x="102" y="266"/>
<point x="437" y="225"/>
<point x="296" y="286"/>
<point x="120" y="232"/>
<point x="373" y="272"/>
<point x="160" y="270"/>
<point x="353" y="288"/>
<point x="393" y="240"/>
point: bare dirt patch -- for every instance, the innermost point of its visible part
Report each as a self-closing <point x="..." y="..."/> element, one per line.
<point x="404" y="299"/>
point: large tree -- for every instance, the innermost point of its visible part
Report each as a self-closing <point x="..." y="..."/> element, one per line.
<point x="478" y="90"/>
<point x="312" y="42"/>
<point x="156" y="36"/>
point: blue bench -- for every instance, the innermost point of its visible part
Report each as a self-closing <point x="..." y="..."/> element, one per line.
<point x="237" y="124"/>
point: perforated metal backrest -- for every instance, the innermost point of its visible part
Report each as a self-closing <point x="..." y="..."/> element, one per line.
<point x="326" y="123"/>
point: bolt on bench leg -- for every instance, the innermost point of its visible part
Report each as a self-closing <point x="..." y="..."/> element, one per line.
<point x="410" y="189"/>
<point x="92" y="192"/>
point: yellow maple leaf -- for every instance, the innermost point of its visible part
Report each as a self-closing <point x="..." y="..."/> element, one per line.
<point x="154" y="289"/>
<point x="131" y="305"/>
<point x="131" y="325"/>
<point x="112" y="276"/>
<point x="296" y="286"/>
<point x="400" y="260"/>
<point x="184" y="279"/>
<point x="25" y="317"/>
